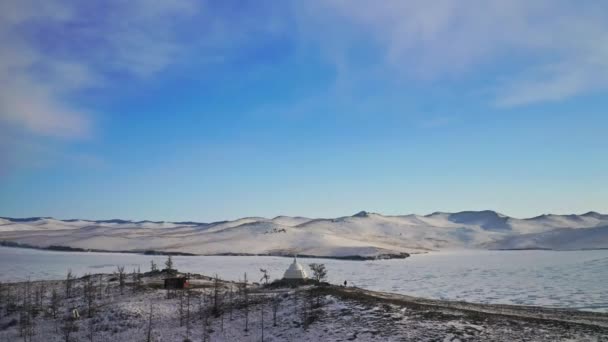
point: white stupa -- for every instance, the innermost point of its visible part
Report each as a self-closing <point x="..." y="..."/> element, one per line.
<point x="295" y="271"/>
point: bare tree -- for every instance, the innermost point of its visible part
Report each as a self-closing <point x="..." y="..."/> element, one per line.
<point x="22" y="316"/>
<point x="69" y="281"/>
<point x="231" y="300"/>
<point x="26" y="321"/>
<point x="54" y="304"/>
<point x="29" y="311"/>
<point x="319" y="272"/>
<point x="89" y="294"/>
<point x="100" y="286"/>
<point x="40" y="293"/>
<point x="295" y="301"/>
<point x="153" y="266"/>
<point x="188" y="294"/>
<point x="262" y="318"/>
<point x="275" y="301"/>
<point x="265" y="276"/>
<point x="121" y="278"/>
<point x="91" y="330"/>
<point x="169" y="264"/>
<point x="43" y="290"/>
<point x="216" y="291"/>
<point x="10" y="301"/>
<point x="246" y="297"/>
<point x="137" y="279"/>
<point x="149" y="333"/>
<point x="222" y="314"/>
<point x="200" y="305"/>
<point x="181" y="308"/>
<point x="205" y="323"/>
<point x="205" y="317"/>
<point x="134" y="281"/>
<point x="3" y="297"/>
<point x="307" y="312"/>
<point x="68" y="327"/>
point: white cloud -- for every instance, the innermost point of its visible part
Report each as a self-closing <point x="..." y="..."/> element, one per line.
<point x="554" y="83"/>
<point x="557" y="49"/>
<point x="51" y="50"/>
<point x="77" y="45"/>
<point x="36" y="108"/>
<point x="24" y="101"/>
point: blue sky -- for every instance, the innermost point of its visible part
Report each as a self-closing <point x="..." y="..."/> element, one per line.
<point x="200" y="110"/>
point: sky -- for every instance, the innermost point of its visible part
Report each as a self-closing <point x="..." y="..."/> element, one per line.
<point x="211" y="110"/>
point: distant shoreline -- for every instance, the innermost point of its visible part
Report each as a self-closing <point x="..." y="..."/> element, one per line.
<point x="54" y="248"/>
<point x="548" y="249"/>
<point x="387" y="256"/>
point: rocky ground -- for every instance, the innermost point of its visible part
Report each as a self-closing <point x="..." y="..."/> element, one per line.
<point x="309" y="313"/>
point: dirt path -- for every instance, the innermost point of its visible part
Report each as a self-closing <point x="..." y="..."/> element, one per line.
<point x="399" y="317"/>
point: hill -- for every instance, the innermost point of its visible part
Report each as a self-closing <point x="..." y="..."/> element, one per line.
<point x="362" y="234"/>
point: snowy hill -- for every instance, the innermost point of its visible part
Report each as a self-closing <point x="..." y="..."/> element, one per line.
<point x="561" y="239"/>
<point x="363" y="234"/>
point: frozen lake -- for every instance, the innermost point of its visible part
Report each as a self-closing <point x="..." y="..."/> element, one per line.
<point x="576" y="279"/>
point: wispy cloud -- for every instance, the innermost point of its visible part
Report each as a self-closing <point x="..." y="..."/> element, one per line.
<point x="555" y="82"/>
<point x="52" y="50"/>
<point x="25" y="101"/>
<point x="555" y="49"/>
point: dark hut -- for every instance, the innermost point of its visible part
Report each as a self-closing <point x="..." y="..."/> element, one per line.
<point x="176" y="283"/>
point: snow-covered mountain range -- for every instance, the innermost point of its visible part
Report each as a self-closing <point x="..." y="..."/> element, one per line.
<point x="363" y="234"/>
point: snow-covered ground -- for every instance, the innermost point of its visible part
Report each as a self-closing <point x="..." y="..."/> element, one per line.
<point x="144" y="313"/>
<point x="572" y="279"/>
<point x="363" y="234"/>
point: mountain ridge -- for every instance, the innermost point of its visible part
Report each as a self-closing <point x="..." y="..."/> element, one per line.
<point x="364" y="233"/>
<point x="361" y="213"/>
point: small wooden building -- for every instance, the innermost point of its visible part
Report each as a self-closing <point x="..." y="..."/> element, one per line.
<point x="176" y="283"/>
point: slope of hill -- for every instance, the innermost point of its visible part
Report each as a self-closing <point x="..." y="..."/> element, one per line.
<point x="560" y="239"/>
<point x="363" y="234"/>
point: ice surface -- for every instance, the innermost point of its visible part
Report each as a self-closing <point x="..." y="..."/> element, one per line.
<point x="572" y="279"/>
